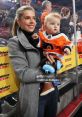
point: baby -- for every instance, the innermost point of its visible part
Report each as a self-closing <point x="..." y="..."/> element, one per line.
<point x="53" y="43"/>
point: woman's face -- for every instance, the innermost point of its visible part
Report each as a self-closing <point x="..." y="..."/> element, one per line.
<point x="49" y="7"/>
<point x="27" y="21"/>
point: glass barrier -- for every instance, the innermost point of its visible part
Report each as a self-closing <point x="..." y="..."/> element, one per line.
<point x="69" y="73"/>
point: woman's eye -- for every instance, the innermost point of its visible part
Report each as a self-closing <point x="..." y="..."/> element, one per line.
<point x="26" y="17"/>
<point x="34" y="18"/>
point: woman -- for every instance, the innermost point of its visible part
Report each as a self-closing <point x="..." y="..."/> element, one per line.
<point x="25" y="58"/>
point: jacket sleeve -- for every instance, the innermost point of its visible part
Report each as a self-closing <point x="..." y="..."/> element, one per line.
<point x="20" y="63"/>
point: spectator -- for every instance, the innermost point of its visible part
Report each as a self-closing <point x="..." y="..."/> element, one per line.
<point x="26" y="2"/>
<point x="26" y="59"/>
<point x="47" y="8"/>
<point x="78" y="27"/>
<point x="65" y="27"/>
<point x="1" y="17"/>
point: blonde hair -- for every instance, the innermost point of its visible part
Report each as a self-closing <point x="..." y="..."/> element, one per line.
<point x="19" y="14"/>
<point x="50" y="15"/>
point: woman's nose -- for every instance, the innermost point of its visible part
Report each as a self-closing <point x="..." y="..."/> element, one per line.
<point x="32" y="20"/>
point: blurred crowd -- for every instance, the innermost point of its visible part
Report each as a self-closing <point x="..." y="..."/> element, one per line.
<point x="67" y="23"/>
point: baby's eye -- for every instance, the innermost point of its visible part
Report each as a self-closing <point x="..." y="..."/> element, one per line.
<point x="58" y="24"/>
<point x="52" y="23"/>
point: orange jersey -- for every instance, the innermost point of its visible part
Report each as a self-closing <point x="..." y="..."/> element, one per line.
<point x="54" y="44"/>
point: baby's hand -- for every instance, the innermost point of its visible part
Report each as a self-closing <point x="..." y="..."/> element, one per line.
<point x="67" y="51"/>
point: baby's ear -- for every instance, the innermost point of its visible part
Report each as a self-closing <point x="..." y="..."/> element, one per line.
<point x="44" y="26"/>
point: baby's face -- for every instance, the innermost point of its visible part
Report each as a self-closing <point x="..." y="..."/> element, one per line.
<point x="52" y="25"/>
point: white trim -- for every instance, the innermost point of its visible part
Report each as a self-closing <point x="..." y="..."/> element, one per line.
<point x="56" y="36"/>
<point x="46" y="92"/>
